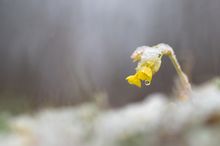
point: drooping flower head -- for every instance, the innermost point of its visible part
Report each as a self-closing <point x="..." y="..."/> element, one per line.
<point x="149" y="61"/>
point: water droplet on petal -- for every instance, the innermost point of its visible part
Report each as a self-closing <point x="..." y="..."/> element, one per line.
<point x="147" y="83"/>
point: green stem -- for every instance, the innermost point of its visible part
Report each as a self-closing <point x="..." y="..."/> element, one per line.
<point x="179" y="71"/>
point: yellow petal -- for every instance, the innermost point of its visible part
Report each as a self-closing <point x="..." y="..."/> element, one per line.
<point x="145" y="73"/>
<point x="134" y="80"/>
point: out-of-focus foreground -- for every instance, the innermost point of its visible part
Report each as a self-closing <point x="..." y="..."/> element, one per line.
<point x="156" y="121"/>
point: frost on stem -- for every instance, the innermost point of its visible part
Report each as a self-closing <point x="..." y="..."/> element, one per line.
<point x="149" y="61"/>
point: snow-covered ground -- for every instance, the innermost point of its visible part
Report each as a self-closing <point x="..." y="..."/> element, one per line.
<point x="156" y="121"/>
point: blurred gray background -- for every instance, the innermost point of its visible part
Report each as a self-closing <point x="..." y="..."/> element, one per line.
<point x="64" y="52"/>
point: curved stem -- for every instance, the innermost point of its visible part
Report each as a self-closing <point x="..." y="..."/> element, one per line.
<point x="181" y="74"/>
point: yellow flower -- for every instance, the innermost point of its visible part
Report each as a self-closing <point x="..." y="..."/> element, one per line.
<point x="144" y="74"/>
<point x="149" y="63"/>
<point x="133" y="79"/>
